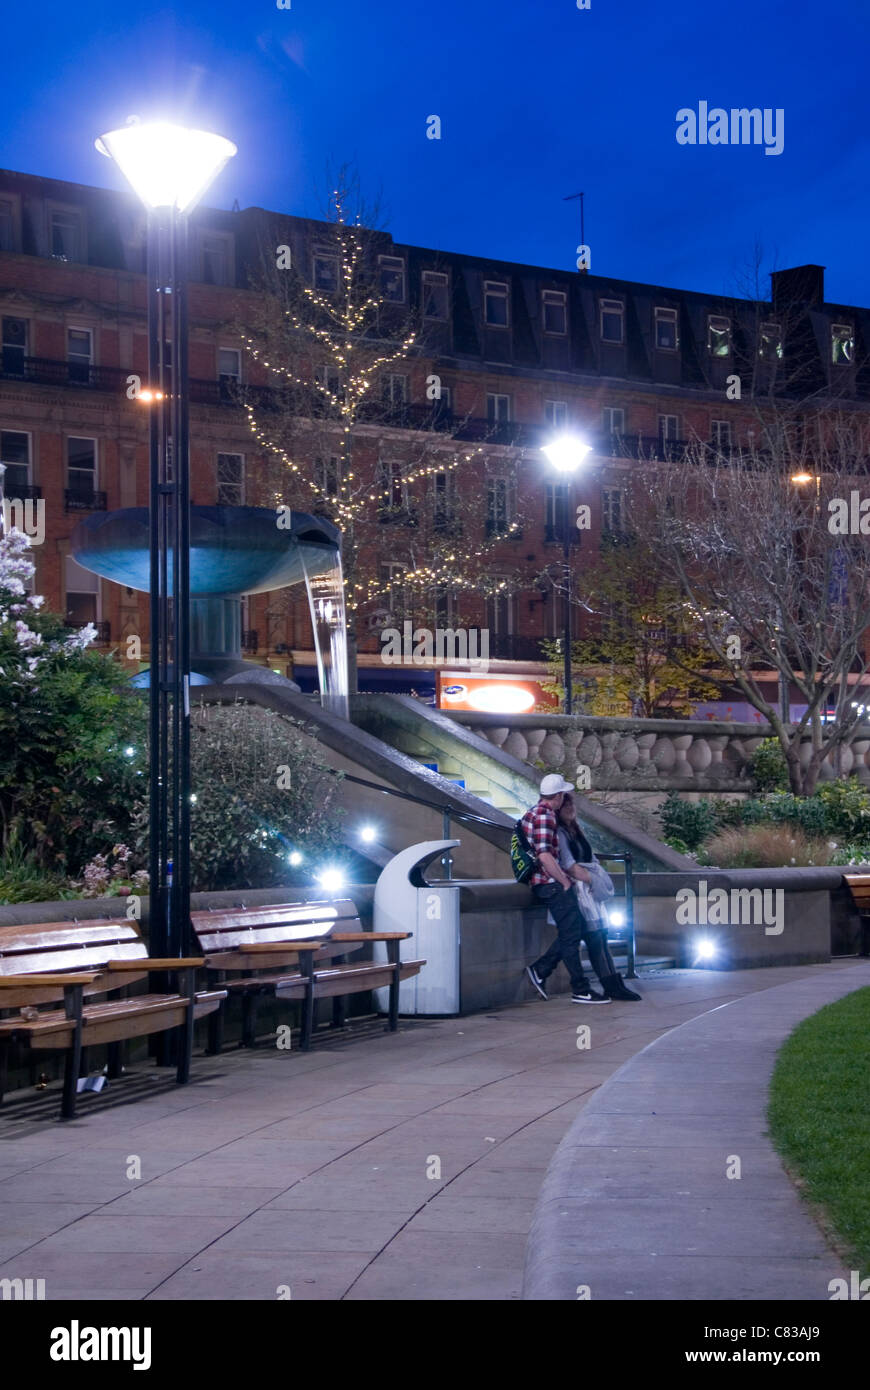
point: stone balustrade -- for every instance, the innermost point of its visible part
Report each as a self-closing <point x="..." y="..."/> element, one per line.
<point x="656" y="755"/>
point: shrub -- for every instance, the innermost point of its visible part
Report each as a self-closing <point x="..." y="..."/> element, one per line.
<point x="690" y="822"/>
<point x="768" y="768"/>
<point x="765" y="847"/>
<point x="243" y="824"/>
<point x="67" y="787"/>
<point x="847" y="807"/>
<point x="24" y="880"/>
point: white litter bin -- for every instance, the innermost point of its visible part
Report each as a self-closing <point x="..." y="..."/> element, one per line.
<point x="405" y="901"/>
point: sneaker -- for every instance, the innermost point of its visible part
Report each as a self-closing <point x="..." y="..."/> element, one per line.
<point x="536" y="981"/>
<point x="589" y="996"/>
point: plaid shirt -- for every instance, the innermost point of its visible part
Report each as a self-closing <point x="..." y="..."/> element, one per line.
<point x="541" y="827"/>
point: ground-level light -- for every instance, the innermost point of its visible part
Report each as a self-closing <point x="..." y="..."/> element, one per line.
<point x="368" y="834"/>
<point x="705" y="949"/>
<point x="331" y="879"/>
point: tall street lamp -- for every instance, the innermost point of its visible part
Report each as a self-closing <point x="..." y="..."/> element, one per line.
<point x="169" y="167"/>
<point x="566" y="455"/>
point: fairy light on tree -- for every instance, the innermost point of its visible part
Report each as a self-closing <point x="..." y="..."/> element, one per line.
<point x="347" y="358"/>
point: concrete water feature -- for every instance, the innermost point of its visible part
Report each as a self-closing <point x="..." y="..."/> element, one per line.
<point x="234" y="551"/>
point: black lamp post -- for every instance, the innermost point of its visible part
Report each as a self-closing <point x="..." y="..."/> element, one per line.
<point x="566" y="454"/>
<point x="170" y="167"/>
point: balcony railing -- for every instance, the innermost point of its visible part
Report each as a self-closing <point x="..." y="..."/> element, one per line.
<point x="507" y="646"/>
<point x="81" y="500"/>
<point x="22" y="492"/>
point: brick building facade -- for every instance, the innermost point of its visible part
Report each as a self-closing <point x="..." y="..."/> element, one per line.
<point x="522" y="352"/>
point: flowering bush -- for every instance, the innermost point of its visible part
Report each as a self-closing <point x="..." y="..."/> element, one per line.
<point x="70" y="777"/>
<point x="102" y="879"/>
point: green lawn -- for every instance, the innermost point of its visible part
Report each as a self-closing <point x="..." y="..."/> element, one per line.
<point x="819" y="1116"/>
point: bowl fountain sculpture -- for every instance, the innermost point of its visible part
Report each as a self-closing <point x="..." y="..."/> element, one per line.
<point x="234" y="551"/>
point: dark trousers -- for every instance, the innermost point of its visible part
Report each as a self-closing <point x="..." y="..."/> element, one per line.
<point x="595" y="938"/>
<point x="571" y="926"/>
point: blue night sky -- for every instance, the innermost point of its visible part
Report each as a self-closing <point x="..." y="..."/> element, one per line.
<point x="537" y="100"/>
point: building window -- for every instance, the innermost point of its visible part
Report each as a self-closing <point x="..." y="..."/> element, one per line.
<point x="842" y="344"/>
<point x="720" y="434"/>
<point x="500" y="609"/>
<point x="394" y="389"/>
<point x="8" y="239"/>
<point x="443" y="606"/>
<point x="79" y="354"/>
<point x="14" y="346"/>
<point x="325" y="275"/>
<point x="669" y="428"/>
<point x="329" y="381"/>
<point x="15" y="453"/>
<point x="81" y="466"/>
<point x="770" y="341"/>
<point x="612" y="510"/>
<point x="613" y="419"/>
<point x="215" y="259"/>
<point x="498" y="408"/>
<point x="327" y="475"/>
<point x="495" y="303"/>
<point x="667" y="339"/>
<point x="229" y="364"/>
<point x="612" y="321"/>
<point x="435" y="295"/>
<point x="500" y="509"/>
<point x="444" y="404"/>
<point x="555" y="512"/>
<point x="393" y="587"/>
<point x="230" y="480"/>
<point x="444" y="499"/>
<point x="556" y="414"/>
<point x="555" y="311"/>
<point x="65" y="234"/>
<point x="718" y="336"/>
<point x="391" y="277"/>
<point x="392" y="488"/>
<point x="82" y="594"/>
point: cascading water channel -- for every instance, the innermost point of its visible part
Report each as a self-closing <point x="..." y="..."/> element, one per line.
<point x="326" y="604"/>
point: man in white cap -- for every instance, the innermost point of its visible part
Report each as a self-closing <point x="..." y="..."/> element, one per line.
<point x="555" y="889"/>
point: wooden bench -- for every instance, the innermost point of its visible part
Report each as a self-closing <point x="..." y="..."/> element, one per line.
<point x="859" y="886"/>
<point x="299" y="952"/>
<point x="55" y="962"/>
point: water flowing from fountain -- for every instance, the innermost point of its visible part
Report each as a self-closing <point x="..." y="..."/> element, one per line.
<point x="328" y="621"/>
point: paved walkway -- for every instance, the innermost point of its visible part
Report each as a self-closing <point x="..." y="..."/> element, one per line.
<point x="321" y="1172"/>
<point x="639" y="1202"/>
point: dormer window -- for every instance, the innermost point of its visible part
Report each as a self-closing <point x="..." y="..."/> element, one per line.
<point x="612" y="321"/>
<point x="391" y="273"/>
<point x="718" y="336"/>
<point x="495" y="303"/>
<point x="842" y="344"/>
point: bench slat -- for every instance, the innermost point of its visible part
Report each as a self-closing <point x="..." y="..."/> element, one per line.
<point x="112" y="1021"/>
<point x="57" y="934"/>
<point x="87" y="957"/>
<point x="347" y="980"/>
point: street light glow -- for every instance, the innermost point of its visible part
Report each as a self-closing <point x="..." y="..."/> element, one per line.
<point x="566" y="453"/>
<point x="367" y="833"/>
<point x="294" y="857"/>
<point x="706" y="948"/>
<point x="331" y="879"/>
<point x="167" y="165"/>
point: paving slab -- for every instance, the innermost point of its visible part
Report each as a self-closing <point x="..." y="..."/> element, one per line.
<point x="668" y="1126"/>
<point x="333" y="1149"/>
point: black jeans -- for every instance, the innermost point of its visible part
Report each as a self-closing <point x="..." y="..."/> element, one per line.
<point x="570" y="936"/>
<point x="571" y="926"/>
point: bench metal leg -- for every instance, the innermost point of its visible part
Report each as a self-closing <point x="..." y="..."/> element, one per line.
<point x="217" y="1019"/>
<point x="339" y="1003"/>
<point x="308" y="1002"/>
<point x="393" y="958"/>
<point x="185" y="1042"/>
<point x="249" y="1019"/>
<point x="4" y="1068"/>
<point x="73" y="1003"/>
<point x="115" y="1060"/>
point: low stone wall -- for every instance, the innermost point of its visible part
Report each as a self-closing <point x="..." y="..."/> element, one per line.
<point x="656" y="755"/>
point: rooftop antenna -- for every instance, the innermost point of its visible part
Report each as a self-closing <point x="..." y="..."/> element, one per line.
<point x="582" y="266"/>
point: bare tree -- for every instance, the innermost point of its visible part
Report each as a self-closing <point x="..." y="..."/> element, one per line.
<point x="344" y="437"/>
<point x="764" y="540"/>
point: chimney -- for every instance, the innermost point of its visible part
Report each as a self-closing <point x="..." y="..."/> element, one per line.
<point x="802" y="286"/>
